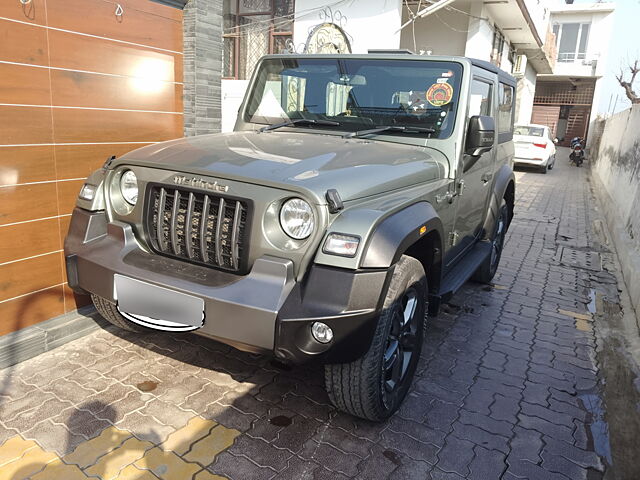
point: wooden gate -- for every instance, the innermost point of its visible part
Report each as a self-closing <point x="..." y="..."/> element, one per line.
<point x="546" y="115"/>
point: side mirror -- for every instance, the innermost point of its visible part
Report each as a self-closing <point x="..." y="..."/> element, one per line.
<point x="480" y="135"/>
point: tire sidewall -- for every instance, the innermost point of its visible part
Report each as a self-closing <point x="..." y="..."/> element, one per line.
<point x="403" y="278"/>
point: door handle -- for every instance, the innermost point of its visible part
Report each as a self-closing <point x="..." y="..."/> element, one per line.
<point x="486" y="177"/>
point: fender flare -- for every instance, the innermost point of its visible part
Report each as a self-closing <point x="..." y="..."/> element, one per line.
<point x="397" y="232"/>
<point x="503" y="177"/>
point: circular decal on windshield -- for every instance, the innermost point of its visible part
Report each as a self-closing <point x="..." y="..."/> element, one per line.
<point x="439" y="94"/>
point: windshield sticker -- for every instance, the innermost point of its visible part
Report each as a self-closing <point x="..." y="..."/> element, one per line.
<point x="442" y="80"/>
<point x="447" y="74"/>
<point x="439" y="94"/>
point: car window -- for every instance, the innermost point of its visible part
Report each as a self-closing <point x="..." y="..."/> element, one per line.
<point x="480" y="98"/>
<point x="529" y="131"/>
<point x="505" y="108"/>
<point x="358" y="94"/>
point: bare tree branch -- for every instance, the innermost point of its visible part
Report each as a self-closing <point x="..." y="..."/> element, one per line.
<point x="628" y="86"/>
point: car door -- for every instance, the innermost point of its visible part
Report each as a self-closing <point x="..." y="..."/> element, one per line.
<point x="473" y="183"/>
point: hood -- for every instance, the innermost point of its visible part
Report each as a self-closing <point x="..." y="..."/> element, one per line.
<point x="297" y="161"/>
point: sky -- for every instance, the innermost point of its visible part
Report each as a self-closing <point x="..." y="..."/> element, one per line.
<point x="624" y="45"/>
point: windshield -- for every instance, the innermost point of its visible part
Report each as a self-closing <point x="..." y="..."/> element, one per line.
<point x="359" y="94"/>
<point x="530" y="131"/>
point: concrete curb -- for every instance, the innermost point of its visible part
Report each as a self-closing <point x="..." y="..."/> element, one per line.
<point x="29" y="342"/>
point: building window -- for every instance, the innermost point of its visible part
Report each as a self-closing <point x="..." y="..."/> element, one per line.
<point x="498" y="47"/>
<point x="253" y="28"/>
<point x="571" y="40"/>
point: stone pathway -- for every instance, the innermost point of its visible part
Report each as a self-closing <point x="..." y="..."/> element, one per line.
<point x="506" y="386"/>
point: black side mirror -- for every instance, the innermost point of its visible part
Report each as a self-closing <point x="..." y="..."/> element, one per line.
<point x="480" y="135"/>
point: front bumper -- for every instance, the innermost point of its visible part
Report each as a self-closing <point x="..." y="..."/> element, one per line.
<point x="265" y="310"/>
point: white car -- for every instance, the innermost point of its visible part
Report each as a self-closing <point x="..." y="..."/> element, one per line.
<point x="534" y="146"/>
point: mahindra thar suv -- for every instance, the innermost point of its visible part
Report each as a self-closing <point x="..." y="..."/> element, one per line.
<point x="356" y="194"/>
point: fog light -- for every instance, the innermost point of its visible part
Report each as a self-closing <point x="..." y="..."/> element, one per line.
<point x="321" y="332"/>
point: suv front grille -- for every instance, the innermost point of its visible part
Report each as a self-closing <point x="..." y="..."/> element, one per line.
<point x="198" y="227"/>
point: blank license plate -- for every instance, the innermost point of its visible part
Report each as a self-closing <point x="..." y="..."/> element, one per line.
<point x="144" y="299"/>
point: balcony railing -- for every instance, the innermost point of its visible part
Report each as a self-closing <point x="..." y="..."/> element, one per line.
<point x="571" y="57"/>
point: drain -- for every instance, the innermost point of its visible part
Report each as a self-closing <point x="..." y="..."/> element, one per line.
<point x="580" y="259"/>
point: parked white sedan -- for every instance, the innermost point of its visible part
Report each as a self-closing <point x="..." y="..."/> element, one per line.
<point x="534" y="146"/>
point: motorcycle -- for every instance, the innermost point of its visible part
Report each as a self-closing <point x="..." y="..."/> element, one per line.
<point x="576" y="157"/>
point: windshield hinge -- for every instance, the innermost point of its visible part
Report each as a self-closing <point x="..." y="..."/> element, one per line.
<point x="333" y="200"/>
<point x="453" y="238"/>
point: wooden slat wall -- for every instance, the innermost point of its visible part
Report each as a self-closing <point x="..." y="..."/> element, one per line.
<point x="77" y="84"/>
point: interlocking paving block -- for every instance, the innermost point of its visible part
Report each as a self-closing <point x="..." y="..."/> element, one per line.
<point x="205" y="450"/>
<point x="58" y="470"/>
<point x="167" y="465"/>
<point x="130" y="472"/>
<point x="181" y="440"/>
<point x="108" y="467"/>
<point x="580" y="259"/>
<point x="205" y="475"/>
<point x="14" y="448"/>
<point x="34" y="460"/>
<point x="88" y="452"/>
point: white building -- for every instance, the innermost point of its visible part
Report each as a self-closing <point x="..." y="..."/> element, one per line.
<point x="565" y="99"/>
<point x="513" y="34"/>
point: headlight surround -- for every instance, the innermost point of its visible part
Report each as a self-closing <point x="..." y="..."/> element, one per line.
<point x="297" y="218"/>
<point x="129" y="187"/>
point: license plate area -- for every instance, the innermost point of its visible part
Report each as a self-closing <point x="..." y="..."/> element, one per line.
<point x="157" y="307"/>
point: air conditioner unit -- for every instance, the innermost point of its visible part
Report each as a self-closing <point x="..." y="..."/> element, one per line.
<point x="519" y="66"/>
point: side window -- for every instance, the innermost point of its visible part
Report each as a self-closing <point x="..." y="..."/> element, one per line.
<point x="505" y="109"/>
<point x="480" y="98"/>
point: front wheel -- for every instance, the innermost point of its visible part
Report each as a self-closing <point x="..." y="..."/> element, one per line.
<point x="374" y="386"/>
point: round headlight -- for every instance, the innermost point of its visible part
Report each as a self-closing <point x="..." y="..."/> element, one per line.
<point x="129" y="187"/>
<point x="296" y="218"/>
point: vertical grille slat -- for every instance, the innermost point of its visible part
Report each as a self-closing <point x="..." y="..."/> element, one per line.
<point x="188" y="226"/>
<point x="174" y="223"/>
<point x="203" y="229"/>
<point x="162" y="201"/>
<point x="219" y="225"/>
<point x="196" y="226"/>
<point x="234" y="235"/>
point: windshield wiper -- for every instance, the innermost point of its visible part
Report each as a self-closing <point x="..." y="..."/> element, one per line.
<point x="300" y="121"/>
<point x="389" y="128"/>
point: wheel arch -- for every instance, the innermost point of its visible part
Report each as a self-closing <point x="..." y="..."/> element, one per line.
<point x="415" y="231"/>
<point x="504" y="186"/>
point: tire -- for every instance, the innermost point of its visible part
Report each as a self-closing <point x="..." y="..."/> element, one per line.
<point x="553" y="163"/>
<point x="110" y="313"/>
<point x="487" y="270"/>
<point x="374" y="386"/>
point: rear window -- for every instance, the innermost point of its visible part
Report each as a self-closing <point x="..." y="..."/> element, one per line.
<point x="530" y="131"/>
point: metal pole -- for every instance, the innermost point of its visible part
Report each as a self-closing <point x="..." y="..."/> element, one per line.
<point x="427" y="11"/>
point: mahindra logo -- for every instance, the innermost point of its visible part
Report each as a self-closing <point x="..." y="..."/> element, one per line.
<point x="200" y="183"/>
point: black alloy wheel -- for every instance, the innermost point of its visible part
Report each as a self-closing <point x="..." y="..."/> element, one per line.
<point x="401" y="346"/>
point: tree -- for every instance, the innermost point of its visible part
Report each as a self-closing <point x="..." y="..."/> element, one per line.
<point x="628" y="86"/>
